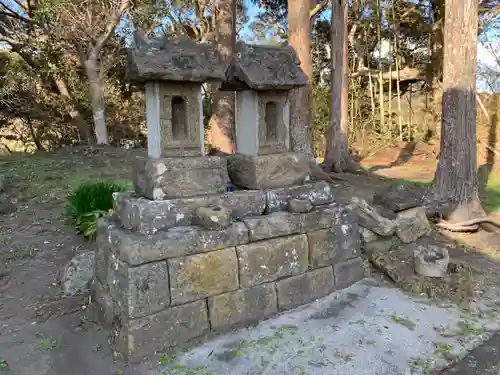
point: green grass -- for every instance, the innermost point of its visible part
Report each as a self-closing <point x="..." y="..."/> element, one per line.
<point x="490" y="197"/>
<point x="88" y="202"/>
<point x="50" y="178"/>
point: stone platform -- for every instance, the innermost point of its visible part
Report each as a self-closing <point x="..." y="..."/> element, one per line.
<point x="163" y="282"/>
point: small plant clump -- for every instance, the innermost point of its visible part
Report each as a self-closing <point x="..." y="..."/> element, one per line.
<point x="88" y="203"/>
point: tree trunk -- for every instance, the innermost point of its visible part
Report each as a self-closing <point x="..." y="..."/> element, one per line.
<point x="455" y="187"/>
<point x="97" y="99"/>
<point x="337" y="156"/>
<point x="82" y="125"/>
<point x="221" y="123"/>
<point x="435" y="69"/>
<point x="299" y="37"/>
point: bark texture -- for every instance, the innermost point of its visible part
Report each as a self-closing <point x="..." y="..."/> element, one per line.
<point x="97" y="99"/>
<point x="456" y="181"/>
<point x="337" y="157"/>
<point x="221" y="124"/>
<point x="299" y="37"/>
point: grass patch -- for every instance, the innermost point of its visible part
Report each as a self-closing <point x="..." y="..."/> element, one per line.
<point x="88" y="203"/>
<point x="51" y="177"/>
<point x="46" y="344"/>
<point x="491" y="195"/>
<point x="404" y="322"/>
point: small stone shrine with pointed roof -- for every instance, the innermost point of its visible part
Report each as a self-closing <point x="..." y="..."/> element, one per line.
<point x="173" y="71"/>
<point x="262" y="76"/>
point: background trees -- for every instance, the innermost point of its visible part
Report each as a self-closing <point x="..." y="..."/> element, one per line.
<point x="66" y="80"/>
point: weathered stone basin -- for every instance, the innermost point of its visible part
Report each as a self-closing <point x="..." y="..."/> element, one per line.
<point x="431" y="261"/>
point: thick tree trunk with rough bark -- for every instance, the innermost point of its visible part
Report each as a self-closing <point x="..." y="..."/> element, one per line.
<point x="455" y="185"/>
<point x="299" y="37"/>
<point x="435" y="69"/>
<point x="337" y="157"/>
<point x="221" y="125"/>
<point x="97" y="100"/>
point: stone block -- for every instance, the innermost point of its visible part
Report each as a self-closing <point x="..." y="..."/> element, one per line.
<point x="104" y="303"/>
<point x="273" y="225"/>
<point x="319" y="218"/>
<point x="333" y="245"/>
<point x="164" y="178"/>
<point x="328" y="216"/>
<point x="318" y="193"/>
<point x="298" y="290"/>
<point x="269" y="260"/>
<point x="399" y="198"/>
<point x="348" y="272"/>
<point x="141" y="290"/>
<point x="135" y="248"/>
<point x="371" y="242"/>
<point x="202" y="275"/>
<point x="138" y="339"/>
<point x="212" y="217"/>
<point x="412" y="224"/>
<point x="369" y="218"/>
<point x="148" y="217"/>
<point x="101" y="259"/>
<point x="268" y="171"/>
<point x="242" y="306"/>
<point x="382" y="245"/>
<point x="299" y="205"/>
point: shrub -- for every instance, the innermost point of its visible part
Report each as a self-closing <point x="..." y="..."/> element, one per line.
<point x="88" y="203"/>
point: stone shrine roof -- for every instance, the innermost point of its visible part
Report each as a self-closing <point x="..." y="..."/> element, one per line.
<point x="264" y="67"/>
<point x="178" y="59"/>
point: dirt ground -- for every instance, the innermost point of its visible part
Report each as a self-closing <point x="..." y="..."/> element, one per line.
<point x="42" y="332"/>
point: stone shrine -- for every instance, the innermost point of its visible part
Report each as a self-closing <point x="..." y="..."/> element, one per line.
<point x="262" y="75"/>
<point x="181" y="257"/>
<point x="173" y="72"/>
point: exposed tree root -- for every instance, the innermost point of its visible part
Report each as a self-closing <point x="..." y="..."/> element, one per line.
<point x="469" y="225"/>
<point x="318" y="174"/>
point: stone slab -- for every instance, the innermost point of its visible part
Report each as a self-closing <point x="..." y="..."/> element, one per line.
<point x="135" y="248"/>
<point x="140" y="338"/>
<point x="348" y="272"/>
<point x="202" y="275"/>
<point x="273" y="225"/>
<point x="318" y="193"/>
<point x="242" y="306"/>
<point x="399" y="198"/>
<point x="268" y="171"/>
<point x="148" y="217"/>
<point x="105" y="305"/>
<point x="371" y="242"/>
<point x="298" y="290"/>
<point x="333" y="245"/>
<point x="269" y="260"/>
<point x="138" y="291"/>
<point x="101" y="259"/>
<point x="165" y="178"/>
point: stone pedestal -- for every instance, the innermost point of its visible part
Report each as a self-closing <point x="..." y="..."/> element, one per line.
<point x="268" y="171"/>
<point x="162" y="281"/>
<point x="165" y="178"/>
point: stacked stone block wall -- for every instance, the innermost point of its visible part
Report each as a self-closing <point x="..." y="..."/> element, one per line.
<point x="164" y="288"/>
